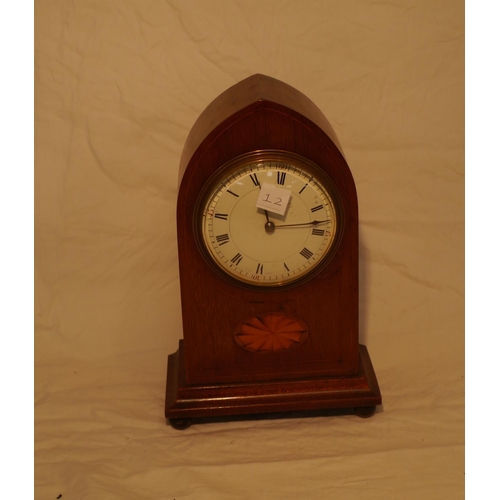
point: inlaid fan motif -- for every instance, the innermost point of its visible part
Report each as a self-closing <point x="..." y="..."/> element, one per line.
<point x="273" y="332"/>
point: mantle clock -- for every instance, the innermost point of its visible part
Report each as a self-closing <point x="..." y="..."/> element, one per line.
<point x="267" y="224"/>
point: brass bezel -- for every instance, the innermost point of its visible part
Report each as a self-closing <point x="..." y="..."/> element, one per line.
<point x="256" y="157"/>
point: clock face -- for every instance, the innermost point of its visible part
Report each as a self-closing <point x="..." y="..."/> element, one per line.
<point x="268" y="219"/>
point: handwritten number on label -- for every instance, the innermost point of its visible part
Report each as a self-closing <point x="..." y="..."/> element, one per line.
<point x="278" y="202"/>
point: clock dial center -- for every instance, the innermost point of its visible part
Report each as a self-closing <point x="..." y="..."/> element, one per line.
<point x="269" y="227"/>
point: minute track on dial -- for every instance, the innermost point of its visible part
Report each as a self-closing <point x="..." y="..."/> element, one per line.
<point x="241" y="239"/>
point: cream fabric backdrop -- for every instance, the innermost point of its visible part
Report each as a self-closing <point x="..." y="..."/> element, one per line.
<point x="118" y="86"/>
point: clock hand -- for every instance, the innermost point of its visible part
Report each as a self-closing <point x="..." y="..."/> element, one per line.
<point x="312" y="223"/>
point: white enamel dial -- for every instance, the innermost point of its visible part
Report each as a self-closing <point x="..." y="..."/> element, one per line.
<point x="259" y="246"/>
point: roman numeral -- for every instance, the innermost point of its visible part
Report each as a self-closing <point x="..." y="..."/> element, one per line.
<point x="281" y="177"/>
<point x="222" y="239"/>
<point x="305" y="185"/>
<point x="260" y="269"/>
<point x="234" y="194"/>
<point x="221" y="216"/>
<point x="305" y="252"/>
<point x="255" y="180"/>
<point x="318" y="232"/>
<point x="237" y="258"/>
<point x="315" y="209"/>
<point x="286" y="267"/>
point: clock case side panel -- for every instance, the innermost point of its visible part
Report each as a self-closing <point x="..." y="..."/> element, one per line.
<point x="208" y="300"/>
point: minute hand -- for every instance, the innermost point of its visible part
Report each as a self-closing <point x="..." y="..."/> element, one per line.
<point x="312" y="223"/>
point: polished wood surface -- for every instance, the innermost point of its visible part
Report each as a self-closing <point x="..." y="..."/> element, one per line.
<point x="359" y="392"/>
<point x="262" y="113"/>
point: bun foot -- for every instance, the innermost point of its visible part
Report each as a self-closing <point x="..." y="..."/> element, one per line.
<point x="180" y="423"/>
<point x="365" y="411"/>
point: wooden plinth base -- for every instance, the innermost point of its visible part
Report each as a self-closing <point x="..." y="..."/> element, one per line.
<point x="184" y="403"/>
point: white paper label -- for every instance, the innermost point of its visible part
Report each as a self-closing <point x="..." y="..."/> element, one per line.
<point x="273" y="198"/>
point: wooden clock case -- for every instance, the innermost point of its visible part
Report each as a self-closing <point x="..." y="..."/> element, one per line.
<point x="211" y="374"/>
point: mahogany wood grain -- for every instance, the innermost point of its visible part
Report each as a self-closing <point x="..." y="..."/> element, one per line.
<point x="360" y="392"/>
<point x="262" y="113"/>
